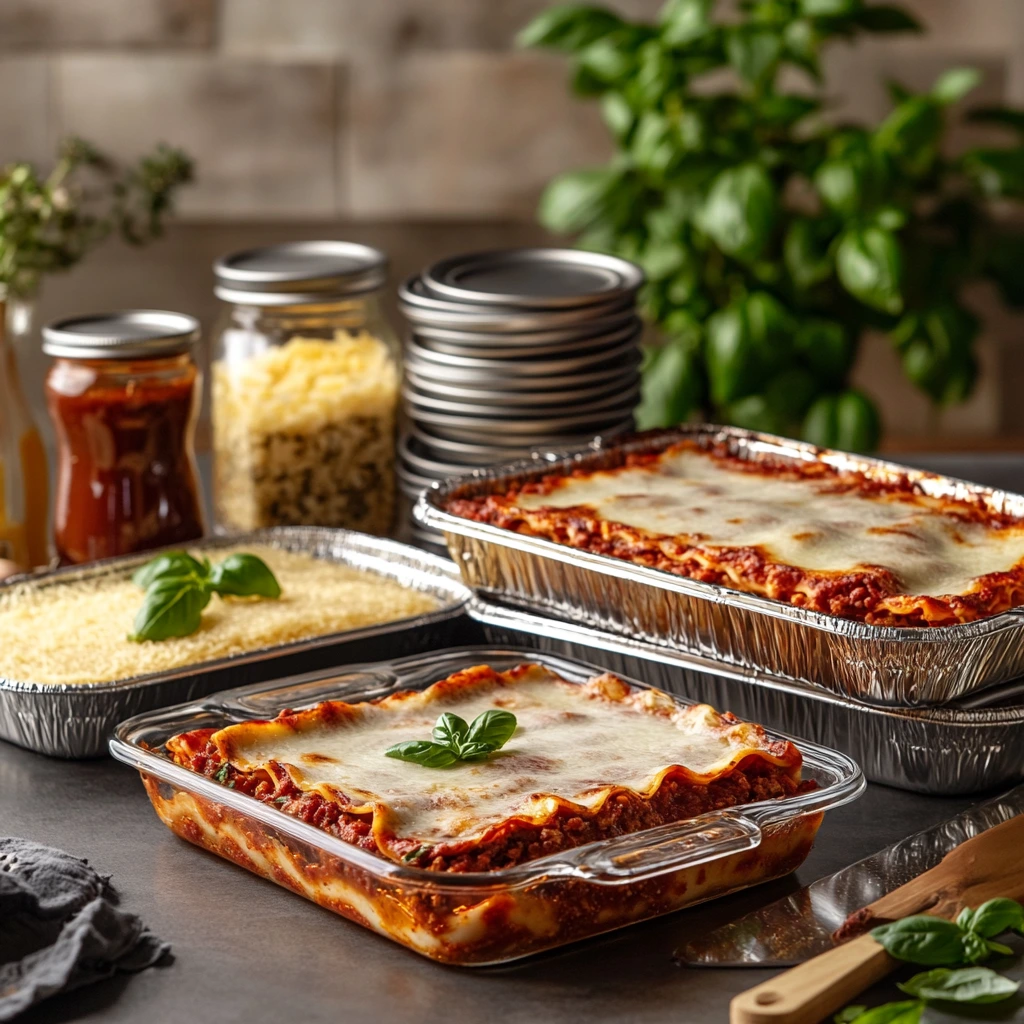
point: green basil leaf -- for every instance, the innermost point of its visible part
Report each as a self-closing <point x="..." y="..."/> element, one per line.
<point x="450" y="730"/>
<point x="571" y="201"/>
<point x="754" y="413"/>
<point x="753" y="51"/>
<point x="829" y="8"/>
<point x="731" y="362"/>
<point x="964" y="918"/>
<point x="740" y="209"/>
<point x="173" y="606"/>
<point x="954" y="84"/>
<point x="683" y="21"/>
<point x="423" y="752"/>
<point x="870" y="267"/>
<point x="911" y="133"/>
<point x="996" y="172"/>
<point x="848" y="1014"/>
<point x="475" y="751"/>
<point x="964" y="985"/>
<point x="975" y="948"/>
<point x="827" y="349"/>
<point x="171" y="563"/>
<point x="672" y="386"/>
<point x="244" y="575"/>
<point x="921" y="939"/>
<point x="494" y="728"/>
<point x="998" y="947"/>
<point x="907" y="1012"/>
<point x="618" y="115"/>
<point x="569" y="27"/>
<point x="997" y="916"/>
<point x="805" y="253"/>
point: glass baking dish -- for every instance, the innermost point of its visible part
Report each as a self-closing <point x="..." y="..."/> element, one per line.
<point x="485" y="917"/>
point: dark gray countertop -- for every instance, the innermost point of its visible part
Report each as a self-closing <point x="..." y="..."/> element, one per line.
<point x="247" y="950"/>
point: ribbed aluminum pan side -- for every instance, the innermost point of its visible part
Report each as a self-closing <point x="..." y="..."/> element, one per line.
<point x="875" y="664"/>
<point x="943" y="751"/>
<point x="76" y="720"/>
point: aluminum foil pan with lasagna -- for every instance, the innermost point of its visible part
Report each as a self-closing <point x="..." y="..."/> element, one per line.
<point x="610" y="803"/>
<point x="887" y="584"/>
<point x="69" y="673"/>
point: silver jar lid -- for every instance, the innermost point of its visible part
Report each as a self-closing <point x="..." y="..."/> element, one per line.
<point x="299" y="272"/>
<point x="126" y="334"/>
<point x="534" y="278"/>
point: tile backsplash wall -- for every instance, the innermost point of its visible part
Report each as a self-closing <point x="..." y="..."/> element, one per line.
<point x="413" y="122"/>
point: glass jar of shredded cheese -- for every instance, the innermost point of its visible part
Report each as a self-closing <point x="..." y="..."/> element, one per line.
<point x="305" y="389"/>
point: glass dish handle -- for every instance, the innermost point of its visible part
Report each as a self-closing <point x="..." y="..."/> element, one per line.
<point x="305" y="690"/>
<point x="683" y="844"/>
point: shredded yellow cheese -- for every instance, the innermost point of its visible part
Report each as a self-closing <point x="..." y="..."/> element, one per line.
<point x="77" y="633"/>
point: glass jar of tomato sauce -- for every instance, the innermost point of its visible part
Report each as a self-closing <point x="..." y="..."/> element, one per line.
<point x="123" y="394"/>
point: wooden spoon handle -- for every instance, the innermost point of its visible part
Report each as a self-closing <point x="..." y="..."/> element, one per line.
<point x="809" y="992"/>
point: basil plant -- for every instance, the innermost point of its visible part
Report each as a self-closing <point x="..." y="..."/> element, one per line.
<point x="772" y="237"/>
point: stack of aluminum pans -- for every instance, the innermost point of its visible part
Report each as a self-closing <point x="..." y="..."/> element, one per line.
<point x="515" y="351"/>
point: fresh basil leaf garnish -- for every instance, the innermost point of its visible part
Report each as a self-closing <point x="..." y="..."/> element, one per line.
<point x="178" y="587"/>
<point x="455" y="740"/>
<point x="423" y="752"/>
<point x="173" y="607"/>
<point x="848" y="1014"/>
<point x="243" y="575"/>
<point x="493" y="728"/>
<point x="450" y="730"/>
<point x="221" y="774"/>
<point x="906" y="1012"/>
<point x="921" y="939"/>
<point x="995" y="917"/>
<point x="963" y="985"/>
<point x="172" y="563"/>
<point x="475" y="751"/>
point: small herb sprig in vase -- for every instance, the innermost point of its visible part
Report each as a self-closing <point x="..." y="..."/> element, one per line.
<point x="50" y="222"/>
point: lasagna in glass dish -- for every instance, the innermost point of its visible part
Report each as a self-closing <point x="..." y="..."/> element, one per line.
<point x="806" y="533"/>
<point x="611" y="802"/>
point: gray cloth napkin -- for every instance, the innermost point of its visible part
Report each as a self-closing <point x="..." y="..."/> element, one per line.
<point x="60" y="927"/>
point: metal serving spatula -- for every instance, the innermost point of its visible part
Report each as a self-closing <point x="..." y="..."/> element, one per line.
<point x="800" y="926"/>
<point x="980" y="869"/>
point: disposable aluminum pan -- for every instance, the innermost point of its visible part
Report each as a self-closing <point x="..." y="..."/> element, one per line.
<point x="76" y="720"/>
<point x="473" y="918"/>
<point x="875" y="664"/>
<point x="945" y="751"/>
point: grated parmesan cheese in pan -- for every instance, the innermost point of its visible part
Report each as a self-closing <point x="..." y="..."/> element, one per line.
<point x="77" y="633"/>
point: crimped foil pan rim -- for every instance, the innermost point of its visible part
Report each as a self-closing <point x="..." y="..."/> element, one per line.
<point x="498" y="615"/>
<point x="849" y="783"/>
<point x="429" y="512"/>
<point x="442" y="567"/>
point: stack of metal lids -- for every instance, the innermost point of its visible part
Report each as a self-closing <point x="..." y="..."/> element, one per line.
<point x="514" y="351"/>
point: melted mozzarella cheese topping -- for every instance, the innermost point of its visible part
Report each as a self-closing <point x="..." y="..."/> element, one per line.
<point x="702" y="501"/>
<point x="568" y="743"/>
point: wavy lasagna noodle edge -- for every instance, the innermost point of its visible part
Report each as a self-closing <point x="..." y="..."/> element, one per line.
<point x="864" y="594"/>
<point x="755" y="768"/>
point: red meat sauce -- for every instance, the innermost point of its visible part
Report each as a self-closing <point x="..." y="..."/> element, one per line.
<point x="512" y="842"/>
